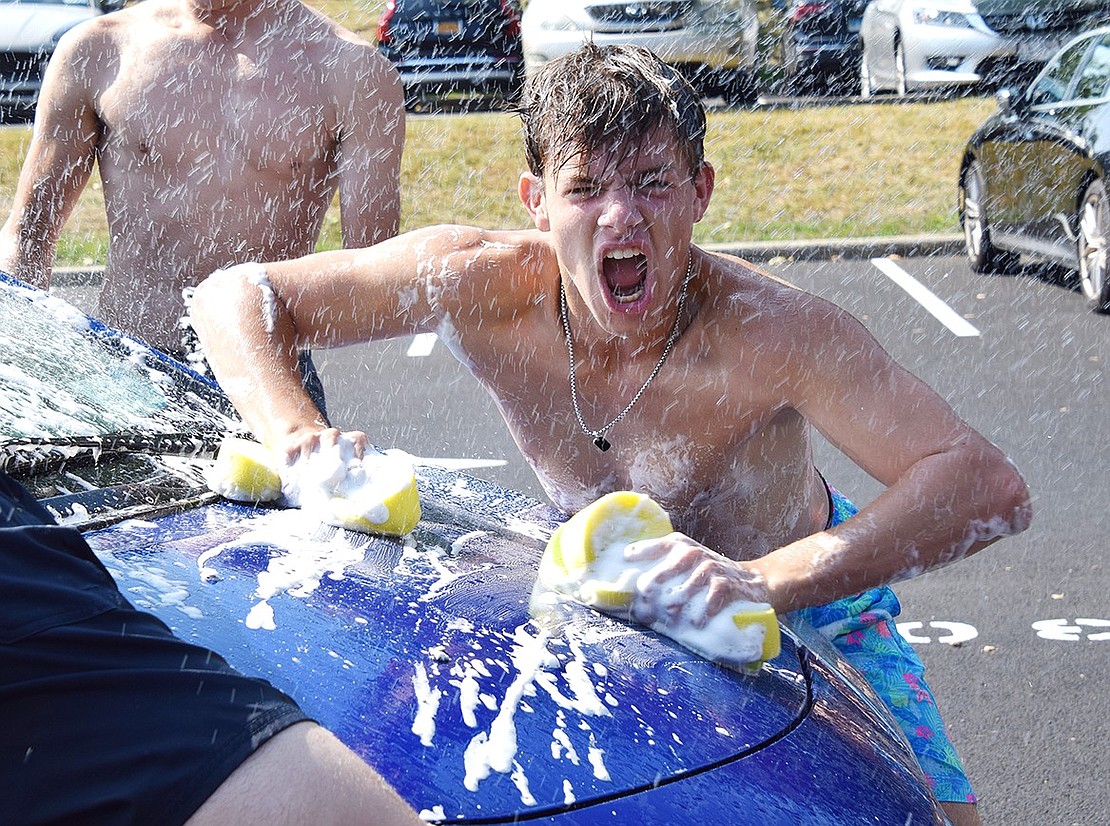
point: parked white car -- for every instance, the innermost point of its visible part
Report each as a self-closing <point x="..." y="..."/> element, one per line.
<point x="712" y="41"/>
<point x="29" y="31"/>
<point x="918" y="45"/>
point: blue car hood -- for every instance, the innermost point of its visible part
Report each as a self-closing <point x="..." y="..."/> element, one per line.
<point x="420" y="653"/>
<point x="422" y="656"/>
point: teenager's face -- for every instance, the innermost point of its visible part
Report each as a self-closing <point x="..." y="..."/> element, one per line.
<point x="622" y="231"/>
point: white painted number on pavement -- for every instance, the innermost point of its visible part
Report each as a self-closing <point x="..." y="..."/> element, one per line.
<point x="952" y="633"/>
<point x="1072" y="630"/>
<point x="421" y="345"/>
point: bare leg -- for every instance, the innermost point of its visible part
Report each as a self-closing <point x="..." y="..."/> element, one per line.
<point x="304" y="774"/>
<point x="962" y="814"/>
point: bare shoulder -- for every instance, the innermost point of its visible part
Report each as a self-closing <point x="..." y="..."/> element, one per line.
<point x="93" y="36"/>
<point x="771" y="313"/>
<point x="499" y="273"/>
<point x="352" y="56"/>
<point x="740" y="289"/>
<point x="134" y="26"/>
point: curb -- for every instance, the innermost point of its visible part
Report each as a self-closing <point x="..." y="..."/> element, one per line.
<point x="831" y="249"/>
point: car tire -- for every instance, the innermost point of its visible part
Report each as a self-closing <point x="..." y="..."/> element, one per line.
<point x="1093" y="224"/>
<point x="900" y="68"/>
<point x="982" y="256"/>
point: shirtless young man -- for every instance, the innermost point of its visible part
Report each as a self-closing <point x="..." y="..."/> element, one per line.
<point x="624" y="357"/>
<point x="222" y="129"/>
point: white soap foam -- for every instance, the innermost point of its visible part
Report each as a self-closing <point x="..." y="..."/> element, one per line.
<point x="427" y="701"/>
<point x="334" y="473"/>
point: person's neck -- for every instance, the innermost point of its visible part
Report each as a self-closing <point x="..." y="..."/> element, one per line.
<point x="230" y="17"/>
<point x="609" y="349"/>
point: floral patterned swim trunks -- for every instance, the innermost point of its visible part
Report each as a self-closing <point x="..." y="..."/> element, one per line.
<point x="862" y="629"/>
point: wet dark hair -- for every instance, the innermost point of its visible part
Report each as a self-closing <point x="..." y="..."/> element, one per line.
<point x="607" y="99"/>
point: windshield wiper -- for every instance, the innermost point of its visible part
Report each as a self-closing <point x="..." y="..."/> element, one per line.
<point x="24" y="458"/>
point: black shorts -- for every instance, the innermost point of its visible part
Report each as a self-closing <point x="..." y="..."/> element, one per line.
<point x="105" y="715"/>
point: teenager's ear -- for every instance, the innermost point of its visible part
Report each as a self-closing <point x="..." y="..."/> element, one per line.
<point x="530" y="189"/>
<point x="703" y="187"/>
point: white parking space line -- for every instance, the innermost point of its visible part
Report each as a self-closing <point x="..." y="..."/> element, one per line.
<point x="926" y="298"/>
<point x="421" y="345"/>
<point x="458" y="464"/>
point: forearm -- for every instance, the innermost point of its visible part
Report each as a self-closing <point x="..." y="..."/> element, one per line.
<point x="250" y="342"/>
<point x="27" y="246"/>
<point x="50" y="182"/>
<point x="59" y="159"/>
<point x="947" y="506"/>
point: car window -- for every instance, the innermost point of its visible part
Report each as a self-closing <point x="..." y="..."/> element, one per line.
<point x="724" y="12"/>
<point x="1053" y="83"/>
<point x="1094" y="82"/>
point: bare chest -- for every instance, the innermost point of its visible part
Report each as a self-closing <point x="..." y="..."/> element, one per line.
<point x="196" y="112"/>
<point x="730" y="463"/>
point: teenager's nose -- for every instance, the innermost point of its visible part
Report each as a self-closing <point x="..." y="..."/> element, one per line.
<point x="620" y="210"/>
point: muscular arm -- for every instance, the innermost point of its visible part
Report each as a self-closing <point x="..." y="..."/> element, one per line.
<point x="950" y="492"/>
<point x="57" y="166"/>
<point x="328" y="299"/>
<point x="371" y="138"/>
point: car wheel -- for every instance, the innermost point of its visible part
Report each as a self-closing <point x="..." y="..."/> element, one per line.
<point x="900" y="68"/>
<point x="1094" y="223"/>
<point x="982" y="257"/>
<point x="866" y="89"/>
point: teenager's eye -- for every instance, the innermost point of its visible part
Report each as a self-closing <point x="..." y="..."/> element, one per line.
<point x="583" y="189"/>
<point x="654" y="184"/>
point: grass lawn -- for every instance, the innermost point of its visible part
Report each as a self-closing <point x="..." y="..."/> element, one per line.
<point x="782" y="174"/>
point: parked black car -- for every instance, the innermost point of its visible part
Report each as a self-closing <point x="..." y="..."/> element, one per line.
<point x="821" y="46"/>
<point x="1033" y="177"/>
<point x="445" y="46"/>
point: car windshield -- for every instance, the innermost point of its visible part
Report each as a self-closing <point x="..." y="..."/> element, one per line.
<point x="1094" y="82"/>
<point x="63" y="376"/>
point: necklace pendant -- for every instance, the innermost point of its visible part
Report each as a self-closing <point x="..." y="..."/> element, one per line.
<point x="602" y="443"/>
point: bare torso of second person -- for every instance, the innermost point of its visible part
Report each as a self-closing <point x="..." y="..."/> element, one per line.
<point x="217" y="148"/>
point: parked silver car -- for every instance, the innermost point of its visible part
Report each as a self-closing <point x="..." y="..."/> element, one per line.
<point x="712" y="41"/>
<point x="29" y="31"/>
<point x="918" y="45"/>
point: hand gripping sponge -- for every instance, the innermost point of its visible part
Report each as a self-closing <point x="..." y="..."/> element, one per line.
<point x="584" y="560"/>
<point x="374" y="493"/>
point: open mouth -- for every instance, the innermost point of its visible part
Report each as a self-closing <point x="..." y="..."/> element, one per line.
<point x="625" y="273"/>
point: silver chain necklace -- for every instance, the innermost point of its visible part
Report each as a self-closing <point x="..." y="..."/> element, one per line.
<point x="598" y="435"/>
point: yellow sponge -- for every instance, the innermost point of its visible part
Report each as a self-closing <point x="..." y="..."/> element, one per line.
<point x="374" y="493"/>
<point x="245" y="471"/>
<point x="615" y="520"/>
<point x="584" y="560"/>
<point x="392" y="507"/>
<point x="762" y="615"/>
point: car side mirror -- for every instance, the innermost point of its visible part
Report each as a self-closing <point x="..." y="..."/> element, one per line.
<point x="1009" y="101"/>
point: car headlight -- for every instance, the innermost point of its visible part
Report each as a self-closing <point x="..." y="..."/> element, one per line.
<point x="939" y="17"/>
